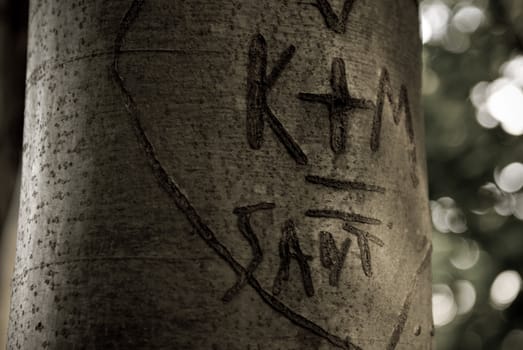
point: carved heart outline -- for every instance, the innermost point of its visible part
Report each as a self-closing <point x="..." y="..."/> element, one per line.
<point x="182" y="203"/>
<point x="167" y="182"/>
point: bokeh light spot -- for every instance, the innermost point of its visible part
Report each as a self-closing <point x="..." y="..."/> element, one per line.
<point x="444" y="307"/>
<point x="505" y="289"/>
<point x="465" y="296"/>
<point x="456" y="41"/>
<point x="513" y="70"/>
<point x="505" y="103"/>
<point x="434" y="20"/>
<point x="468" y="19"/>
<point x="510" y="178"/>
<point x="478" y="94"/>
<point x="485" y="119"/>
<point x="447" y="217"/>
<point x="465" y="255"/>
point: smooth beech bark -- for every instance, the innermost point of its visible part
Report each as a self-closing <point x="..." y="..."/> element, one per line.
<point x="223" y="175"/>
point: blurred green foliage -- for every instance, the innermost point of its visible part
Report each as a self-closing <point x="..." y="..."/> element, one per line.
<point x="473" y="93"/>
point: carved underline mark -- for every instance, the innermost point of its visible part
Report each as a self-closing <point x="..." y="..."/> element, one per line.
<point x="331" y="257"/>
<point x="182" y="203"/>
<point x="289" y="241"/>
<point x="333" y="22"/>
<point x="340" y="103"/>
<point x="404" y="312"/>
<point x="342" y="184"/>
<point x="342" y="215"/>
<point x="259" y="85"/>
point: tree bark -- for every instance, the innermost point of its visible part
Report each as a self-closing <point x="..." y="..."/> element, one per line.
<point x="223" y="175"/>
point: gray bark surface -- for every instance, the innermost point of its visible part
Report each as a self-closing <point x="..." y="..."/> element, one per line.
<point x="223" y="175"/>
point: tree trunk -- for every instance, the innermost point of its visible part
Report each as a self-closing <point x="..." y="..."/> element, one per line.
<point x="223" y="175"/>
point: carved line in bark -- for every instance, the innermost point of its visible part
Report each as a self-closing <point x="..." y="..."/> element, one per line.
<point x="385" y="91"/>
<point x="342" y="215"/>
<point x="172" y="189"/>
<point x="289" y="241"/>
<point x="340" y="103"/>
<point x="342" y="184"/>
<point x="259" y="85"/>
<point x="404" y="313"/>
<point x="333" y="22"/>
<point x="363" y="245"/>
<point x="331" y="257"/>
<point x="53" y="63"/>
<point x="363" y="237"/>
<point x="245" y="227"/>
<point x="142" y="258"/>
